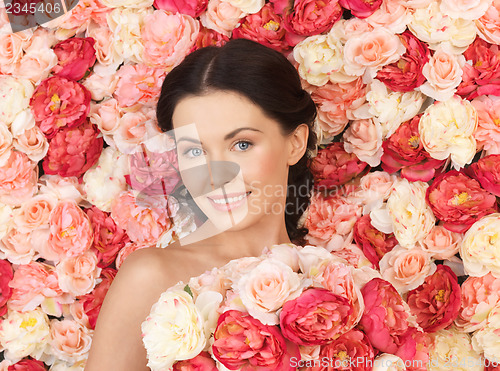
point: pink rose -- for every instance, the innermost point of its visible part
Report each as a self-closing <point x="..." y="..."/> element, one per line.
<point x="487" y="134"/>
<point x="192" y="8"/>
<point x="138" y="83"/>
<point x="78" y="274"/>
<point x="28" y="364"/>
<point x="103" y="45"/>
<point x="459" y="201"/>
<point x="70" y="341"/>
<point x="316" y="317"/>
<point x="6" y="275"/>
<point x="488" y="26"/>
<point x="207" y="37"/>
<point x="333" y="166"/>
<point x="11" y="48"/>
<point x="58" y="102"/>
<point x="76" y="55"/>
<point x="441" y="243"/>
<point x="202" y="362"/>
<point x="364" y="139"/>
<point x="404" y="151"/>
<point x="106" y="116"/>
<point x="18" y="179"/>
<point x="406" y="74"/>
<point x="436" y="302"/>
<point x="167" y="38"/>
<point x="311" y="17"/>
<point x="143" y="221"/>
<point x="18" y="247"/>
<point x="392" y="14"/>
<point x="361" y="8"/>
<point x="33" y="143"/>
<point x="108" y="237"/>
<point x="92" y="302"/>
<point x="487" y="172"/>
<point x="222" y="17"/>
<point x="72" y="151"/>
<point x="264" y="27"/>
<point x="241" y="341"/>
<point x="70" y="229"/>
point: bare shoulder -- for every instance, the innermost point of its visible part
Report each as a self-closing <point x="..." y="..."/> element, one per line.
<point x="141" y="279"/>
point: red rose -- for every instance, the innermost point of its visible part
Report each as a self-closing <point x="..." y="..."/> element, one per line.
<point x="72" y="151"/>
<point x="108" y="237"/>
<point x="92" y="302"/>
<point x="312" y="17"/>
<point x="436" y="302"/>
<point x="374" y="243"/>
<point x="333" y="166"/>
<point x="208" y="37"/>
<point x="241" y="341"/>
<point x="487" y="172"/>
<point x="406" y="74"/>
<point x="361" y="8"/>
<point x="76" y="55"/>
<point x="404" y="151"/>
<point x="265" y="27"/>
<point x="58" y="102"/>
<point x="202" y="362"/>
<point x="190" y="7"/>
<point x="27" y="365"/>
<point x="6" y="275"/>
<point x="316" y="317"/>
<point x="459" y="201"/>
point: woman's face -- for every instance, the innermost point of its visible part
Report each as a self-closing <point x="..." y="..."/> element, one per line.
<point x="234" y="159"/>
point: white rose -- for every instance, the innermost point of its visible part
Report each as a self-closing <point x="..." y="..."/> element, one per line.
<point x="173" y="331"/>
<point x="286" y="253"/>
<point x="466" y="9"/>
<point x="311" y="257"/>
<point x="388" y="362"/>
<point x="487" y="339"/>
<point x="16" y="94"/>
<point x="207" y="303"/>
<point x="247" y="6"/>
<point x="447" y="130"/>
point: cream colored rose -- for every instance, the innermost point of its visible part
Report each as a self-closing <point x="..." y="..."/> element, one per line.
<point x="447" y="130"/>
<point x="247" y="6"/>
<point x="221" y="16"/>
<point x="24" y="334"/>
<point x="78" y="275"/>
<point x="311" y="258"/>
<point x="405" y="268"/>
<point x="106" y="179"/>
<point x="61" y="187"/>
<point x="174" y="330"/>
<point x="23" y="121"/>
<point x="443" y="72"/>
<point x="266" y="288"/>
<point x="390" y="108"/>
<point x="451" y="350"/>
<point x="487" y="339"/>
<point x="388" y="362"/>
<point x="16" y="94"/>
<point x="70" y="341"/>
<point x="207" y="303"/>
<point x="466" y="9"/>
<point x="480" y="249"/>
<point x="286" y="253"/>
<point x="133" y="4"/>
<point x="412" y="218"/>
<point x="318" y="56"/>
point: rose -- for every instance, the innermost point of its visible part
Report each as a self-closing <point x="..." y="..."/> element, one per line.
<point x="487" y="134"/>
<point x="441" y="243"/>
<point x="333" y="166"/>
<point x="70" y="229"/>
<point x="436" y="302"/>
<point x="459" y="200"/>
<point x="128" y="249"/>
<point x="100" y="86"/>
<point x="466" y="9"/>
<point x="359" y="8"/>
<point x="265" y="27"/>
<point x="16" y="93"/>
<point x="487" y="172"/>
<point x="6" y="275"/>
<point x="221" y="16"/>
<point x="11" y="47"/>
<point x="61" y="188"/>
<point x="107" y="58"/>
<point x="488" y="25"/>
<point x="486" y="339"/>
<point x="266" y="288"/>
<point x="192" y="8"/>
<point x="480" y="249"/>
<point x="247" y="6"/>
<point x="364" y="139"/>
<point x="202" y="362"/>
<point x="127" y="3"/>
<point x="27" y="365"/>
<point x="167" y="38"/>
<point x="17" y="247"/>
<point x="77" y="275"/>
<point x="59" y="102"/>
<point x="72" y="151"/>
<point x="241" y="341"/>
<point x="33" y="143"/>
<point x="207" y="37"/>
<point x="316" y="317"/>
<point x="392" y="14"/>
<point x="311" y="17"/>
<point x="18" y="179"/>
<point x="374" y="243"/>
<point x="70" y="341"/>
<point x="92" y="302"/>
<point x="404" y="151"/>
<point x="406" y="74"/>
<point x="76" y="55"/>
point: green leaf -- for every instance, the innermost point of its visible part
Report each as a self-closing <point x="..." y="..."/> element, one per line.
<point x="188" y="290"/>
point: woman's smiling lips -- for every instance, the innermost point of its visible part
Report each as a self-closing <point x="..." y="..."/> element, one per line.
<point x="229" y="201"/>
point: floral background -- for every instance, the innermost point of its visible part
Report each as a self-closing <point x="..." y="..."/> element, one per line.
<point x="407" y="176"/>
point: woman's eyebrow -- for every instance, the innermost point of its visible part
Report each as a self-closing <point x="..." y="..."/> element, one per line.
<point x="186" y="139"/>
<point x="234" y="132"/>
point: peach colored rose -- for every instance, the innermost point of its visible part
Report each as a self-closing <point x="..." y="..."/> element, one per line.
<point x="11" y="48"/>
<point x="444" y="73"/>
<point x="371" y="51"/>
<point x="406" y="269"/>
<point x="167" y="38"/>
<point x="488" y="26"/>
<point x="392" y="15"/>
<point x="364" y="139"/>
<point x="221" y="16"/>
<point x="39" y="240"/>
<point x="131" y="132"/>
<point x="106" y="116"/>
<point x="107" y="57"/>
<point x="70" y="341"/>
<point x="17" y="247"/>
<point x="70" y="229"/>
<point x="36" y="64"/>
<point x="466" y="9"/>
<point x="33" y="143"/>
<point x="101" y="86"/>
<point x="18" y="178"/>
<point x="441" y="243"/>
<point x="487" y="134"/>
<point x="77" y="313"/>
<point x="376" y="185"/>
<point x="78" y="274"/>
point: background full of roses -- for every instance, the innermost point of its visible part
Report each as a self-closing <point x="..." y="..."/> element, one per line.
<point x="407" y="177"/>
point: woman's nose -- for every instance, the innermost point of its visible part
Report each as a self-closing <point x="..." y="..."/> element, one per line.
<point x="205" y="178"/>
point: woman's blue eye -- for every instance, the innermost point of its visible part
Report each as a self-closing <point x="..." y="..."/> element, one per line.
<point x="193" y="152"/>
<point x="243" y="145"/>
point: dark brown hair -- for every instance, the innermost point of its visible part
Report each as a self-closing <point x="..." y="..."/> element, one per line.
<point x="270" y="81"/>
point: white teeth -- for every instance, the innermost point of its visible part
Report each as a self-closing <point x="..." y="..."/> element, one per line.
<point x="230" y="200"/>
